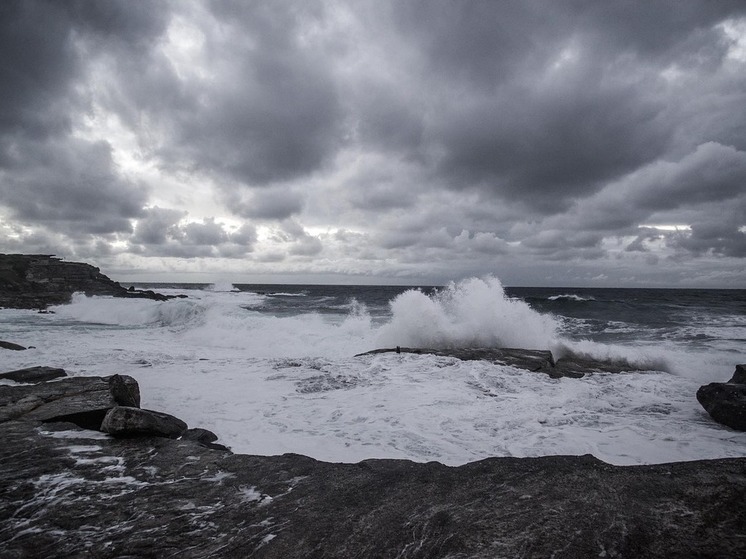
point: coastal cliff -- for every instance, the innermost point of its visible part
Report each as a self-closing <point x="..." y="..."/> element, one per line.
<point x="36" y="281"/>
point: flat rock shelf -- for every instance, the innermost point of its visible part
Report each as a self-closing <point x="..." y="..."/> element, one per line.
<point x="69" y="491"/>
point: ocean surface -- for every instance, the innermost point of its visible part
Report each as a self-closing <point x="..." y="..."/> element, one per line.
<point x="272" y="368"/>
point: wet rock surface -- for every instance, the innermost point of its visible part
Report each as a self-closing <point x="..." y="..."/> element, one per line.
<point x="83" y="400"/>
<point x="74" y="492"/>
<point x="535" y="360"/>
<point x="726" y="401"/>
<point x="125" y="421"/>
<point x="11" y="346"/>
<point x="34" y="374"/>
<point x="36" y="281"/>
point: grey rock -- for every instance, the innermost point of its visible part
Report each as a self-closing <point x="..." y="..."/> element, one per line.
<point x="726" y="401"/>
<point x="80" y="400"/>
<point x="122" y="421"/>
<point x="34" y="374"/>
<point x="200" y="435"/>
<point x="576" y="366"/>
<point x="80" y="495"/>
<point x="204" y="437"/>
<point x="739" y="375"/>
<point x="534" y="360"/>
<point x="11" y="346"/>
<point x="72" y="492"/>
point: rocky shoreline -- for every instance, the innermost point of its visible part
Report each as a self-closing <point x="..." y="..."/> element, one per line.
<point x="533" y="360"/>
<point x="37" y="281"/>
<point x="71" y="490"/>
<point x="85" y="472"/>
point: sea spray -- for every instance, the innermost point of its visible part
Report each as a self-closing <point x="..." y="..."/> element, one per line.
<point x="222" y="287"/>
<point x="471" y="313"/>
<point x="114" y="311"/>
<point x="265" y="336"/>
<point x="636" y="358"/>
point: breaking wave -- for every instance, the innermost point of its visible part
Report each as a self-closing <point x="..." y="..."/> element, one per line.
<point x="129" y="312"/>
<point x="570" y="297"/>
<point x="471" y="313"/>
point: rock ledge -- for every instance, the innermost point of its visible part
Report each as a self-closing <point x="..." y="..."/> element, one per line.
<point x="74" y="492"/>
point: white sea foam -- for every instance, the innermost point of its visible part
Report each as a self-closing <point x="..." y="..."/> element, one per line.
<point x="570" y="297"/>
<point x="272" y="384"/>
<point x="472" y="313"/>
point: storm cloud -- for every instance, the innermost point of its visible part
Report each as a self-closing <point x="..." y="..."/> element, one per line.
<point x="570" y="142"/>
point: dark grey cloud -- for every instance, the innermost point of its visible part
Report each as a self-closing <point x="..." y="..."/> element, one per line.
<point x="276" y="203"/>
<point x="206" y="233"/>
<point x="73" y="185"/>
<point x="644" y="234"/>
<point x="719" y="238"/>
<point x="264" y="108"/>
<point x="713" y="173"/>
<point x="157" y="225"/>
<point x="299" y="241"/>
<point x="422" y="137"/>
<point x="549" y="101"/>
<point x="49" y="175"/>
<point x="166" y="232"/>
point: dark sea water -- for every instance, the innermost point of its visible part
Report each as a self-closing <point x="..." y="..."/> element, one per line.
<point x="689" y="316"/>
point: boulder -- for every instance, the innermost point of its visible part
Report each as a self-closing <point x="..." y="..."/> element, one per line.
<point x="200" y="435"/>
<point x="726" y="401"/>
<point x="80" y="400"/>
<point x="34" y="374"/>
<point x="122" y="421"/>
<point x="203" y="437"/>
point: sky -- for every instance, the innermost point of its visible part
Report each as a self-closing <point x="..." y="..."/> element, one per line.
<point x="543" y="142"/>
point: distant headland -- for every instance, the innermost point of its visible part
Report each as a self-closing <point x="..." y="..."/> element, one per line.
<point x="36" y="281"/>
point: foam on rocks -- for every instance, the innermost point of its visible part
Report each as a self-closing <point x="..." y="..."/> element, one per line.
<point x="70" y="490"/>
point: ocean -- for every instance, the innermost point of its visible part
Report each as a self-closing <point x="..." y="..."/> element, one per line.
<point x="273" y="368"/>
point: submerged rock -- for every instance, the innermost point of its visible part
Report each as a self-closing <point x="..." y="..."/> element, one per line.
<point x="11" y="346"/>
<point x="726" y="401"/>
<point x="535" y="360"/>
